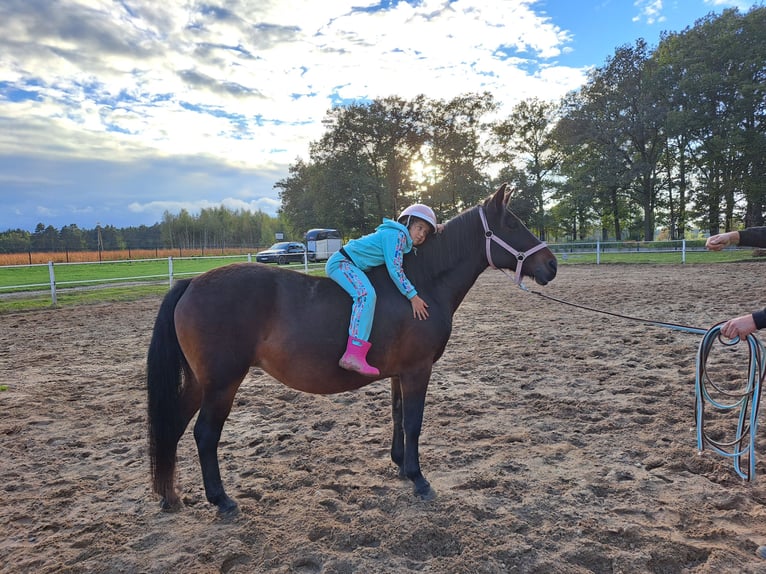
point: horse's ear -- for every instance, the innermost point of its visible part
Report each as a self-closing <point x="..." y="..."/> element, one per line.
<point x="499" y="198"/>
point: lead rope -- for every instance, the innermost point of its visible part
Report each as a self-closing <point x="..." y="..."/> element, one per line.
<point x="747" y="399"/>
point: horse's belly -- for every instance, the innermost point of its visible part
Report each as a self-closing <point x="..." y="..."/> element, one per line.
<point x="313" y="378"/>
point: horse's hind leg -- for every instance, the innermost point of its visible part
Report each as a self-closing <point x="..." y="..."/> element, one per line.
<point x="189" y="403"/>
<point x="207" y="433"/>
<point x="397" y="441"/>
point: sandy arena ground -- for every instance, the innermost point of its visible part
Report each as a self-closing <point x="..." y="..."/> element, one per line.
<point x="557" y="440"/>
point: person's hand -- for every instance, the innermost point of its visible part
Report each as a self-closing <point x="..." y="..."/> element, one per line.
<point x="718" y="242"/>
<point x="739" y="327"/>
<point x="419" y="308"/>
<point x="439" y="227"/>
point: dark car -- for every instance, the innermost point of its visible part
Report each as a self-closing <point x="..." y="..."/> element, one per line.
<point x="284" y="252"/>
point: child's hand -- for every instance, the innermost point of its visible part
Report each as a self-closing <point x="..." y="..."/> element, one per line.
<point x="439" y="227"/>
<point x="419" y="308"/>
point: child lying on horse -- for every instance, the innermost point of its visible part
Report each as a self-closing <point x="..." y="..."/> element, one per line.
<point x="387" y="245"/>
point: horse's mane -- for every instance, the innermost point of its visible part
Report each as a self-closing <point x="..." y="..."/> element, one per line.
<point x="445" y="251"/>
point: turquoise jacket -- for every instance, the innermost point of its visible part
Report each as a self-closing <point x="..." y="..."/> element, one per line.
<point x="386" y="245"/>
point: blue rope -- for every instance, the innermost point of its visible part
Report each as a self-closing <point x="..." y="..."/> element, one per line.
<point x="746" y="400"/>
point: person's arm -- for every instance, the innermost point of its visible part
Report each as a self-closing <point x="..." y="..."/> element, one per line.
<point x="753" y="237"/>
<point x="750" y="237"/>
<point x="759" y="318"/>
<point x="393" y="253"/>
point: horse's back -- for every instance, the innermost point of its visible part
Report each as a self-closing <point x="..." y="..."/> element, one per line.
<point x="295" y="327"/>
<point x="290" y="324"/>
<point x="256" y="300"/>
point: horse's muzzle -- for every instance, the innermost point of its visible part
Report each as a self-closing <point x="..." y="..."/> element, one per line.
<point x="545" y="273"/>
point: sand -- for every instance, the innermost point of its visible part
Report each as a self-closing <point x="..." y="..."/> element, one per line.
<point x="557" y="440"/>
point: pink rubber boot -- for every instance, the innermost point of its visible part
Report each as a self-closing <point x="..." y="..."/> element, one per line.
<point x="355" y="358"/>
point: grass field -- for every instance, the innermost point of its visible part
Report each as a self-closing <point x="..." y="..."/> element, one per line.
<point x="26" y="277"/>
<point x="24" y="287"/>
<point x="42" y="258"/>
<point x="28" y="286"/>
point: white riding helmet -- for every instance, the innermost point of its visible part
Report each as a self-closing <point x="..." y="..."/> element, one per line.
<point x="421" y="211"/>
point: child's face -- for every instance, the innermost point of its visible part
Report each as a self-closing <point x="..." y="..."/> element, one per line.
<point x="419" y="231"/>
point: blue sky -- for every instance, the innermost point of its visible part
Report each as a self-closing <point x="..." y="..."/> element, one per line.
<point x="113" y="112"/>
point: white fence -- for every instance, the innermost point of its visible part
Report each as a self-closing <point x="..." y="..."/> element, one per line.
<point x="126" y="272"/>
<point x="598" y="248"/>
<point x="113" y="273"/>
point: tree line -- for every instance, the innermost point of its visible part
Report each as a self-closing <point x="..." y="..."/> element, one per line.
<point x="671" y="137"/>
<point x="214" y="228"/>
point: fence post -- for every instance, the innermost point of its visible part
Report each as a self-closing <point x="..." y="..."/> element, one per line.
<point x="249" y="258"/>
<point x="683" y="250"/>
<point x="52" y="276"/>
<point x="170" y="271"/>
<point x="598" y="252"/>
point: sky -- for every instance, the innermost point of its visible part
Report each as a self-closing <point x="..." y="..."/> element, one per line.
<point x="113" y="112"/>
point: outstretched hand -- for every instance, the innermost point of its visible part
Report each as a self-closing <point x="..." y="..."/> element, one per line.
<point x="718" y="242"/>
<point x="419" y="308"/>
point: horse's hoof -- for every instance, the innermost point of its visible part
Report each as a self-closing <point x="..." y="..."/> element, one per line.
<point x="170" y="506"/>
<point x="425" y="493"/>
<point x="228" y="508"/>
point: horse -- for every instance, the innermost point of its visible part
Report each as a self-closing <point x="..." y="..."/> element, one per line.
<point x="212" y="328"/>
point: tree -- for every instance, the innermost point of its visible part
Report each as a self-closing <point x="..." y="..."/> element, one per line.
<point x="454" y="155"/>
<point x="72" y="238"/>
<point x="15" y="241"/>
<point x="717" y="115"/>
<point x="383" y="139"/>
<point x="526" y="137"/>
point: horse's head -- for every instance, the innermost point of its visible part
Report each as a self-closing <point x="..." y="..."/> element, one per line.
<point x="510" y="245"/>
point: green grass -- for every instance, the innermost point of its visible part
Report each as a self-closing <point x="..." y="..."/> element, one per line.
<point x="78" y="274"/>
<point x="655" y="257"/>
<point x="35" y="293"/>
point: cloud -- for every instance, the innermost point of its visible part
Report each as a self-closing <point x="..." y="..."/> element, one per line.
<point x="650" y="11"/>
<point x="241" y="87"/>
<point x="741" y="5"/>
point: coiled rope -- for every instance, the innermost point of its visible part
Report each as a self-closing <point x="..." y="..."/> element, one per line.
<point x="747" y="400"/>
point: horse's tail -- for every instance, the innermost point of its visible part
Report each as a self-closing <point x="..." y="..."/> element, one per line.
<point x="164" y="363"/>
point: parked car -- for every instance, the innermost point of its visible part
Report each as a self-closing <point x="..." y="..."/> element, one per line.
<point x="284" y="252"/>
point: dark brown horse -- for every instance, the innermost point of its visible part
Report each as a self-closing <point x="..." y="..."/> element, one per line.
<point x="211" y="329"/>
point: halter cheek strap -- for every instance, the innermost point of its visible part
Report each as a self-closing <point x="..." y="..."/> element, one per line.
<point x="519" y="255"/>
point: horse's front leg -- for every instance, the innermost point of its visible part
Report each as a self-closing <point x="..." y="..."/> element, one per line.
<point x="207" y="433"/>
<point x="397" y="441"/>
<point x="413" y="396"/>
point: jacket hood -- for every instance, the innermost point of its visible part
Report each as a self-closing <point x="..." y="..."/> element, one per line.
<point x="391" y="224"/>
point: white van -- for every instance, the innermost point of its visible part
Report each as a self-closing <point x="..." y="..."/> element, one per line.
<point x="323" y="242"/>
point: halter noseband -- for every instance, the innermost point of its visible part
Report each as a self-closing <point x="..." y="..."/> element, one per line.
<point x="519" y="255"/>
